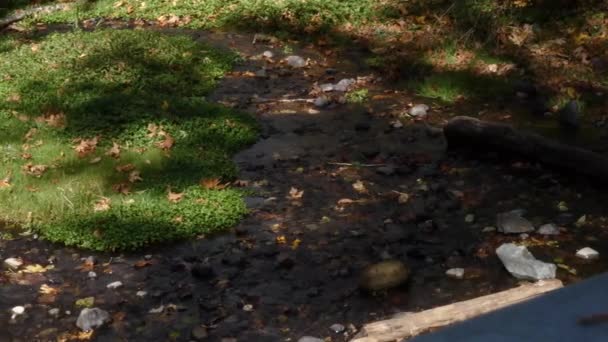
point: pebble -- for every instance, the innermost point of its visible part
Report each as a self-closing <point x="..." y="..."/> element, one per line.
<point x="90" y="319"/>
<point x="13" y="263"/>
<point x="309" y="339"/>
<point x="114" y="285"/>
<point x="327" y="87"/>
<point x="548" y="229"/>
<point x="141" y="294"/>
<point x="268" y="54"/>
<point x="387" y="170"/>
<point x="92" y="275"/>
<point x="17" y="311"/>
<point x="384" y="275"/>
<point x="344" y="84"/>
<point x="148" y="256"/>
<point x="261" y="73"/>
<point x="456" y="273"/>
<point x="322" y="101"/>
<point x="419" y="110"/>
<point x="295" y="61"/>
<point x="513" y="223"/>
<point x="488" y="229"/>
<point x="587" y="253"/>
<point x="199" y="333"/>
<point x="54" y="312"/>
<point x="470" y="218"/>
<point x="522" y="264"/>
<point x="337" y="328"/>
<point x="247" y="307"/>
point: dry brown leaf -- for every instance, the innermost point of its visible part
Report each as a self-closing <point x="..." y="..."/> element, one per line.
<point x="134" y="176"/>
<point x="174" y="197"/>
<point x="85" y="147"/>
<point x="167" y="143"/>
<point x="56" y="120"/>
<point x="142" y="263"/>
<point x="122" y="188"/>
<point x="95" y="160"/>
<point x="114" y="151"/>
<point x="30" y="134"/>
<point x="125" y="168"/>
<point x="34" y="170"/>
<point x="240" y="183"/>
<point x="345" y="201"/>
<point x="153" y="130"/>
<point x="15" y="98"/>
<point x="26" y="156"/>
<point x="102" y="204"/>
<point x="212" y="184"/>
<point x="295" y="194"/>
<point x="6" y="181"/>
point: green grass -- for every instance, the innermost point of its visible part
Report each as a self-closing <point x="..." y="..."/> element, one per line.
<point x="451" y="86"/>
<point x="137" y="90"/>
<point x="357" y="96"/>
<point x="310" y="15"/>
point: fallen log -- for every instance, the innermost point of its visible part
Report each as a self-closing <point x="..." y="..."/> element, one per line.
<point x="411" y="324"/>
<point x="475" y="134"/>
<point x="20" y="15"/>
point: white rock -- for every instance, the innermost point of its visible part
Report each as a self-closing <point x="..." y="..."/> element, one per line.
<point x="54" y="312"/>
<point x="587" y="253"/>
<point x="157" y="310"/>
<point x="92" y="275"/>
<point x="488" y="229"/>
<point x="148" y="256"/>
<point x="522" y="264"/>
<point x="322" y="101"/>
<point x="93" y="318"/>
<point x="513" y="223"/>
<point x="248" y="307"/>
<point x="337" y="328"/>
<point x="310" y="339"/>
<point x="13" y="263"/>
<point x="396" y="123"/>
<point x="327" y="87"/>
<point x="141" y="294"/>
<point x="268" y="54"/>
<point x="456" y="273"/>
<point x="418" y="110"/>
<point x="114" y="285"/>
<point x="548" y="229"/>
<point x="18" y="310"/>
<point x="470" y="218"/>
<point x="295" y="61"/>
<point x="344" y="84"/>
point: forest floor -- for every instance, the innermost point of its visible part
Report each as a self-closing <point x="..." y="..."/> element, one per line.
<point x="332" y="189"/>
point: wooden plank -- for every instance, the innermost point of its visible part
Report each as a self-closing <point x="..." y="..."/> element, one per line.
<point x="409" y="325"/>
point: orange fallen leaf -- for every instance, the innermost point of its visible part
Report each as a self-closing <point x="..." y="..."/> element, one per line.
<point x="125" y="168"/>
<point x="6" y="181"/>
<point x="212" y="184"/>
<point x="102" y="204"/>
<point x="295" y="194"/>
<point x="26" y="156"/>
<point x="174" y="197"/>
<point x="114" y="151"/>
<point x="85" y="147"/>
<point x="281" y="240"/>
<point x="34" y="170"/>
<point x="167" y="143"/>
<point x="122" y="188"/>
<point x="56" y="120"/>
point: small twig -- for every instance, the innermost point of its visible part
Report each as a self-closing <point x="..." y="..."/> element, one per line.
<point x="263" y="100"/>
<point x="356" y="164"/>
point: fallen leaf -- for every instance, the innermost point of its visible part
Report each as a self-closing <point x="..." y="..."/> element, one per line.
<point x="359" y="187"/>
<point x="34" y="170"/>
<point x="6" y="181"/>
<point x="26" y="156"/>
<point x="86" y="302"/>
<point x="114" y="151"/>
<point x="102" y="204"/>
<point x="142" y="263"/>
<point x="122" y="188"/>
<point x="167" y="143"/>
<point x="36" y="268"/>
<point x="174" y="197"/>
<point x="212" y="184"/>
<point x="240" y="183"/>
<point x="281" y="240"/>
<point x="30" y="134"/>
<point x="95" y="160"/>
<point x="15" y="98"/>
<point x="153" y="130"/>
<point x="125" y="168"/>
<point x="45" y="289"/>
<point x="295" y="244"/>
<point x="56" y="120"/>
<point x="85" y="147"/>
<point x="295" y="194"/>
<point x="134" y="176"/>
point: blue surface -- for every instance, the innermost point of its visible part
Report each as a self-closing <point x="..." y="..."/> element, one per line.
<point x="550" y="317"/>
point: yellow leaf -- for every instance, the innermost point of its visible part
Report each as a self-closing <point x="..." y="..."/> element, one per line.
<point x="281" y="240"/>
<point x="36" y="268"/>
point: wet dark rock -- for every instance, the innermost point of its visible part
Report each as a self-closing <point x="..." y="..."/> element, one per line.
<point x="254" y="202"/>
<point x="362" y="126"/>
<point x="570" y="114"/>
<point x="513" y="223"/>
<point x="404" y="170"/>
<point x="285" y="261"/>
<point x="565" y="219"/>
<point x="202" y="271"/>
<point x="199" y="333"/>
<point x="387" y="170"/>
<point x="370" y="152"/>
<point x="241" y="230"/>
